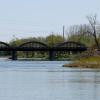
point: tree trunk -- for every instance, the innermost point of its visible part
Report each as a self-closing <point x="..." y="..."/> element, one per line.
<point x="96" y="41"/>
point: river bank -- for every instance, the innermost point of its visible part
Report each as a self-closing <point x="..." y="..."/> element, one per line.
<point x="89" y="62"/>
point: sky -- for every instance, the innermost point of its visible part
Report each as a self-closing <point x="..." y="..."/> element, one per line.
<point x="32" y="18"/>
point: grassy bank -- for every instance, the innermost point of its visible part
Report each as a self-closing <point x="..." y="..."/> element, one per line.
<point x="89" y="62"/>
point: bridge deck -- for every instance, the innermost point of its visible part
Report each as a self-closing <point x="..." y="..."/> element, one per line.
<point x="43" y="49"/>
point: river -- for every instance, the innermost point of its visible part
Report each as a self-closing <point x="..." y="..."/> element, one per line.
<point x="45" y="80"/>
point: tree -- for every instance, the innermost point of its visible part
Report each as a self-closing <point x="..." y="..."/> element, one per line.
<point x="75" y="34"/>
<point x="93" y="29"/>
<point x="87" y="32"/>
<point x="54" y="39"/>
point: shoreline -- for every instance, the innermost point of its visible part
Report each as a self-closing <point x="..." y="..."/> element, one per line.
<point x="90" y="62"/>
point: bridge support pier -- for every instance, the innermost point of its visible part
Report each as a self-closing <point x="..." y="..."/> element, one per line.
<point x="51" y="55"/>
<point x="14" y="55"/>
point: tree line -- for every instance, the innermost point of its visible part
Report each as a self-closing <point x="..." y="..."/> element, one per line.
<point x="88" y="34"/>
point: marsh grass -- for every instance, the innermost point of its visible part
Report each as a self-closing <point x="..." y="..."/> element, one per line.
<point x="89" y="62"/>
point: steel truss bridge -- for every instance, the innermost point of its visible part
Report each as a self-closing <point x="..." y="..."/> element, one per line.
<point x="40" y="46"/>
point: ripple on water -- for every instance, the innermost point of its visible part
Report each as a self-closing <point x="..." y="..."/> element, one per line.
<point x="45" y="80"/>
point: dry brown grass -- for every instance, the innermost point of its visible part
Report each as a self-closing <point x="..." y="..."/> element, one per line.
<point x="90" y="62"/>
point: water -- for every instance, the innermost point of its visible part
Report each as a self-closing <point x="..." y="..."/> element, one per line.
<point x="24" y="80"/>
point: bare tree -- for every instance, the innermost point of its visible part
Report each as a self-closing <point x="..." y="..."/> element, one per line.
<point x="74" y="32"/>
<point x="93" y="29"/>
<point x="78" y="32"/>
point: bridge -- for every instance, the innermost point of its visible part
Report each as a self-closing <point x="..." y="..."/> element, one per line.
<point x="40" y="46"/>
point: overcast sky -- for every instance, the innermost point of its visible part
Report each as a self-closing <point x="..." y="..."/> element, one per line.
<point x="26" y="18"/>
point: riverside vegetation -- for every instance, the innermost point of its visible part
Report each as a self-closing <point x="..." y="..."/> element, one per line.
<point x="88" y="59"/>
<point x="90" y="35"/>
<point x="90" y="62"/>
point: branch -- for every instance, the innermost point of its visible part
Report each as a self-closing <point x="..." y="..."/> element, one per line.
<point x="88" y="32"/>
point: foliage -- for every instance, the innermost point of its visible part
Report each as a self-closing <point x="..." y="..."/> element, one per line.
<point x="50" y="40"/>
<point x="54" y="39"/>
<point x="87" y="40"/>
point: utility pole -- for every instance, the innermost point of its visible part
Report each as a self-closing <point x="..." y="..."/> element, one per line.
<point x="52" y="39"/>
<point x="63" y="32"/>
<point x="14" y="38"/>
